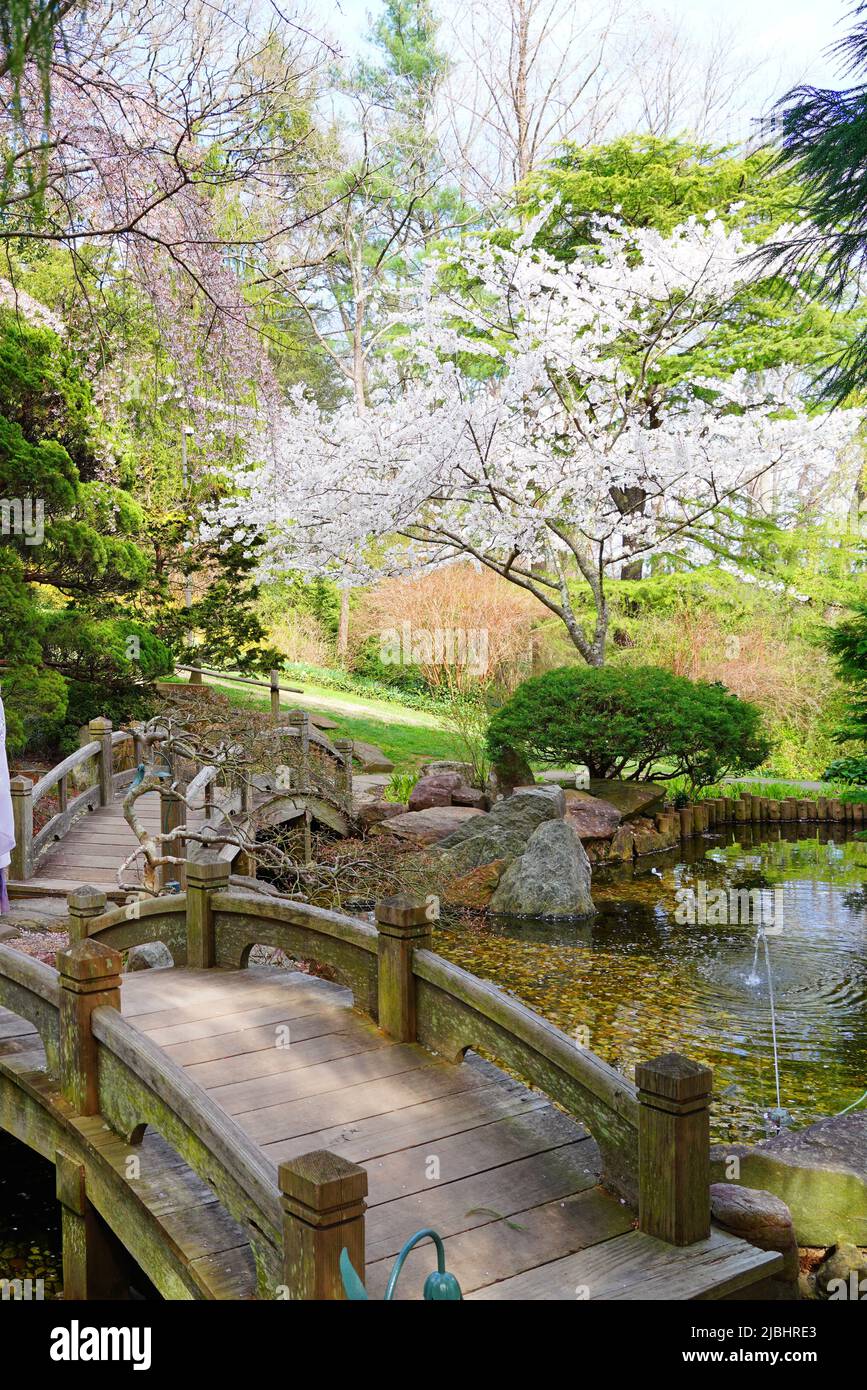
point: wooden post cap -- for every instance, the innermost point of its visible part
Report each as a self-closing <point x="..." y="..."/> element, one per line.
<point x="673" y="1078"/>
<point x="321" y="1185"/>
<point x="20" y="786"/>
<point x="86" y="901"/>
<point x="208" y="870"/>
<point x="88" y="963"/>
<point x="344" y="744"/>
<point x="401" y="915"/>
<point x="99" y="725"/>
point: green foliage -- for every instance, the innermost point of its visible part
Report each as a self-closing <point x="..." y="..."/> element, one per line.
<point x="824" y="147"/>
<point x="108" y="665"/>
<point x="400" y="784"/>
<point x="852" y="769"/>
<point x="848" y="644"/>
<point x="647" y="181"/>
<point x="652" y="181"/>
<point x="356" y="684"/>
<point x="644" y="720"/>
<point x="27" y="29"/>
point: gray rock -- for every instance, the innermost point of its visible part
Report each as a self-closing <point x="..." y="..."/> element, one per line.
<point x="764" y="1221"/>
<point x="550" y="879"/>
<point x="529" y="807"/>
<point x="464" y="770"/>
<point x="511" y="770"/>
<point x="843" y="1274"/>
<point x="150" y="955"/>
<point x="491" y="841"/>
<point x="820" y="1172"/>
<point x="630" y="798"/>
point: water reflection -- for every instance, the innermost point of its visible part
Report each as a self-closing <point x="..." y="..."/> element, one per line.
<point x="643" y="982"/>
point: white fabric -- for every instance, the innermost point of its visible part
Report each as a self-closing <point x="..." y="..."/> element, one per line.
<point x="7" y="834"/>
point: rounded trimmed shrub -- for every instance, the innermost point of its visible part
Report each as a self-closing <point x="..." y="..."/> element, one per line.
<point x="633" y="722"/>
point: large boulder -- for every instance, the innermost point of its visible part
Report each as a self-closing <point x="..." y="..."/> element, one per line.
<point x="430" y="826"/>
<point x="470" y="796"/>
<point x="528" y="807"/>
<point x="630" y="798"/>
<point x="464" y="770"/>
<point x="487" y="840"/>
<point x="475" y="889"/>
<point x="820" y="1172"/>
<point x="550" y="879"/>
<point x="375" y="812"/>
<point x="764" y="1221"/>
<point x="434" y="790"/>
<point x="591" y="818"/>
<point x="511" y="770"/>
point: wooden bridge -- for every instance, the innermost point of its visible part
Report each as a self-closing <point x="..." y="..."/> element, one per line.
<point x="232" y="1129"/>
<point x="86" y="838"/>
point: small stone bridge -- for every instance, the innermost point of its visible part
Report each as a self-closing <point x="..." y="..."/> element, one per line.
<point x="231" y="1129"/>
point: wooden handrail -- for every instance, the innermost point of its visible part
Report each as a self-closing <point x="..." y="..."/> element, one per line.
<point x="50" y="779"/>
<point x="139" y="1086"/>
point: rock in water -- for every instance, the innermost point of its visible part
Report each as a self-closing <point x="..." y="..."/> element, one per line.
<point x="151" y="955"/>
<point x="550" y="879"/>
<point x="490" y="841"/>
<point x="528" y="807"/>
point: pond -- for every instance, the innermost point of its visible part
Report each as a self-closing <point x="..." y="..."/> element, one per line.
<point x="640" y="978"/>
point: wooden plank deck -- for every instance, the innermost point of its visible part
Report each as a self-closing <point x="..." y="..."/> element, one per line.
<point x="510" y="1182"/>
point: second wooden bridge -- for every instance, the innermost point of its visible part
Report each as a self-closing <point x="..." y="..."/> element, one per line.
<point x="232" y="1129"/>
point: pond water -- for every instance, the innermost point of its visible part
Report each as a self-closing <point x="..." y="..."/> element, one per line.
<point x="639" y="978"/>
<point x="29" y="1218"/>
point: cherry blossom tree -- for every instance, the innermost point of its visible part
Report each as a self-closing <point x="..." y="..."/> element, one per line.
<point x="534" y="420"/>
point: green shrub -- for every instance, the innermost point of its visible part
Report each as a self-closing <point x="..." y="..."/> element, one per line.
<point x="400" y="786"/>
<point x="852" y="769"/>
<point x="636" y="722"/>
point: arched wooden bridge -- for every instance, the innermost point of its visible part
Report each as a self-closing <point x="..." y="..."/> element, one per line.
<point x="86" y="838"/>
<point x="234" y="1128"/>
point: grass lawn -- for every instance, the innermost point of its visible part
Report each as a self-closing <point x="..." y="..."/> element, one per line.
<point x="408" y="736"/>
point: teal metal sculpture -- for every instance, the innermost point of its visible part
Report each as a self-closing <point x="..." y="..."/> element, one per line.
<point x="440" y="1286"/>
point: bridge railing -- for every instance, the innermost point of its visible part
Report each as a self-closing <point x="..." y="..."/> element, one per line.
<point x="99" y="753"/>
<point x="26" y="794"/>
<point x="652" y="1134"/>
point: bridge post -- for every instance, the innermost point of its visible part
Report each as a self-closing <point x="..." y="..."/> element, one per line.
<point x="674" y="1148"/>
<point x="322" y="1196"/>
<point x="83" y="904"/>
<point x="100" y="732"/>
<point x="206" y="875"/>
<point x="89" y="978"/>
<point x="302" y="719"/>
<point x="22" y="824"/>
<point x="274" y="681"/>
<point x="92" y="1266"/>
<point x="173" y="813"/>
<point x="403" y="924"/>
<point x="344" y="747"/>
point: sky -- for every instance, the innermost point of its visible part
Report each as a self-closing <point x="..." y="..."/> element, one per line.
<point x="792" y="32"/>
